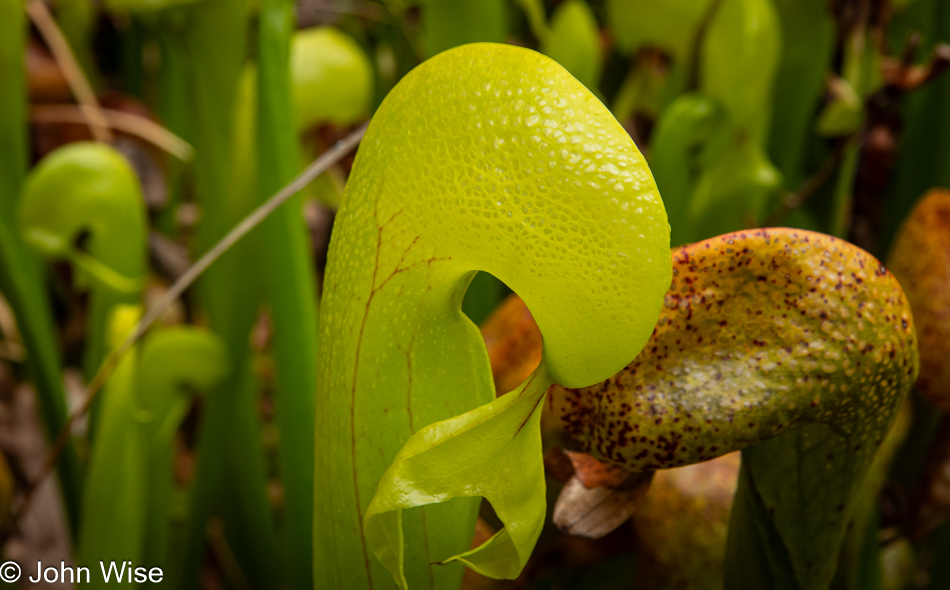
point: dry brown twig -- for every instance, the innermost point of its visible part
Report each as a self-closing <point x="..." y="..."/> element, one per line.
<point x="136" y="125"/>
<point x="72" y="71"/>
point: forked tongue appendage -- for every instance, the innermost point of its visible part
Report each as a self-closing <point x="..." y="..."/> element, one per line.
<point x="493" y="451"/>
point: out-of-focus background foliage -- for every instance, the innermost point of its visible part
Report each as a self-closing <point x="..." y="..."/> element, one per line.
<point x="135" y="133"/>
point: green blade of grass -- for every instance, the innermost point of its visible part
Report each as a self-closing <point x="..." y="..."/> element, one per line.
<point x="20" y="279"/>
<point x="289" y="285"/>
<point x="230" y="479"/>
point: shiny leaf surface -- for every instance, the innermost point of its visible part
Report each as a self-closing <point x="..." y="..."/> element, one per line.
<point x="505" y="164"/>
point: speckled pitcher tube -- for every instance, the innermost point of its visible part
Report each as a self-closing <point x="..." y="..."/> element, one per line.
<point x="793" y="345"/>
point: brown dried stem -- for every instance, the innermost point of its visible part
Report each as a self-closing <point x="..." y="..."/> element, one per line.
<point x="72" y="71"/>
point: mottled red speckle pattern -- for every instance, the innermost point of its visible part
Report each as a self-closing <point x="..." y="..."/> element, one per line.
<point x="762" y="331"/>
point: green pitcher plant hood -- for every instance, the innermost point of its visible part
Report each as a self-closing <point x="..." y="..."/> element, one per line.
<point x="89" y="189"/>
<point x="332" y="77"/>
<point x="174" y="362"/>
<point x="792" y="345"/>
<point x="504" y="163"/>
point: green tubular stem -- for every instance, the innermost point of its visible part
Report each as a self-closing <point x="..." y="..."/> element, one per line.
<point x="290" y="290"/>
<point x="859" y="563"/>
<point x="230" y="479"/>
<point x="174" y="362"/>
<point x="807" y="51"/>
<point x="749" y="566"/>
<point x="173" y="107"/>
<point x="681" y="130"/>
<point x="20" y="275"/>
<point x="844" y="186"/>
<point x="114" y="499"/>
<point x="739" y="58"/>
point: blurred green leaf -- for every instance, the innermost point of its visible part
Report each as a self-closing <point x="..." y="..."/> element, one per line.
<point x="337" y="83"/>
<point x="682" y="130"/>
<point x="808" y="44"/>
<point x="732" y="192"/>
<point x="671" y="25"/>
<point x="739" y="58"/>
<point x="231" y="482"/>
<point x="574" y="42"/>
<point x="450" y="23"/>
<point x="21" y="280"/>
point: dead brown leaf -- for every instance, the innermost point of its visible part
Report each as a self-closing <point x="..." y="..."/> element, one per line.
<point x="595" y="512"/>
